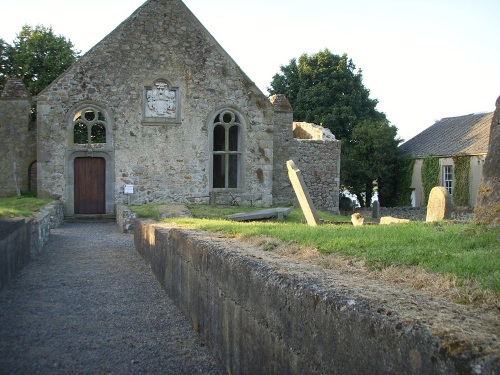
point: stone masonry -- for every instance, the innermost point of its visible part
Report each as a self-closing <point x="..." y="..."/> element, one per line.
<point x="17" y="138"/>
<point x="315" y="152"/>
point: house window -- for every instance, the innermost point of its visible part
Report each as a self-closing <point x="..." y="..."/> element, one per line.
<point x="89" y="127"/>
<point x="448" y="178"/>
<point x="226" y="151"/>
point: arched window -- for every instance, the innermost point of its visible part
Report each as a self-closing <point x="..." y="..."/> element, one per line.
<point x="89" y="127"/>
<point x="226" y="150"/>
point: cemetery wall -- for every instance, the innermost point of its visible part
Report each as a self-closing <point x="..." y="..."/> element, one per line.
<point x="263" y="316"/>
<point x="22" y="240"/>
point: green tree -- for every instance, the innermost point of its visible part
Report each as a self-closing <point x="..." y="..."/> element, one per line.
<point x="370" y="161"/>
<point x="327" y="89"/>
<point x="38" y="56"/>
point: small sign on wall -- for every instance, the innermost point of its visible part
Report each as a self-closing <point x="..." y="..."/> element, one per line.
<point x="128" y="189"/>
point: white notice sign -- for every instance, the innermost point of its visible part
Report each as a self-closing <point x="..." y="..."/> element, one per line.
<point x="129" y="189"/>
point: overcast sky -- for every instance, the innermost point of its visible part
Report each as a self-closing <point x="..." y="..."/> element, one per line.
<point x="423" y="60"/>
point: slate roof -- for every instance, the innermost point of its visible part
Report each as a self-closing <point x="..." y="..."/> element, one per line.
<point x="449" y="136"/>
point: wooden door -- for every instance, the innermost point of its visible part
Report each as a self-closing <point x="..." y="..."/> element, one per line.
<point x="90" y="185"/>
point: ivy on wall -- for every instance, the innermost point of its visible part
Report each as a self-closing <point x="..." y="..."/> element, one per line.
<point x="404" y="176"/>
<point x="461" y="165"/>
<point x="430" y="174"/>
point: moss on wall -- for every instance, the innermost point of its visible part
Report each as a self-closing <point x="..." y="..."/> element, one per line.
<point x="430" y="174"/>
<point x="461" y="165"/>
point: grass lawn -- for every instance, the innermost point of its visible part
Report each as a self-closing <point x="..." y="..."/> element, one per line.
<point x="465" y="250"/>
<point x="11" y="207"/>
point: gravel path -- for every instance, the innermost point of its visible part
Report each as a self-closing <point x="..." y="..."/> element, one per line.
<point x="90" y="305"/>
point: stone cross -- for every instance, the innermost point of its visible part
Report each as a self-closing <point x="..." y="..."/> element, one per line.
<point x="302" y="194"/>
<point x="487" y="210"/>
<point x="439" y="206"/>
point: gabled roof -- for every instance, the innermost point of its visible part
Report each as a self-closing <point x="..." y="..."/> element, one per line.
<point x="449" y="136"/>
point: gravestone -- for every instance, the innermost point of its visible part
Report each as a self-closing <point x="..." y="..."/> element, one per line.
<point x="376" y="210"/>
<point x="439" y="206"/>
<point x="357" y="220"/>
<point x="302" y="194"/>
<point x="386" y="220"/>
<point x="487" y="210"/>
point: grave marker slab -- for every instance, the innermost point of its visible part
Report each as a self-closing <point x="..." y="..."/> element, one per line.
<point x="302" y="194"/>
<point x="376" y="210"/>
<point x="386" y="220"/>
<point x="439" y="206"/>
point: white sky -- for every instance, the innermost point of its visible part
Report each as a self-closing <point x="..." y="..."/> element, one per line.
<point x="422" y="59"/>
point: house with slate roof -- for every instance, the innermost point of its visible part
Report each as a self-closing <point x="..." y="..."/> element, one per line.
<point x="452" y="136"/>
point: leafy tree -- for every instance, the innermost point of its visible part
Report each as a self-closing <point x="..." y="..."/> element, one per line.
<point x="327" y="89"/>
<point x="38" y="56"/>
<point x="371" y="160"/>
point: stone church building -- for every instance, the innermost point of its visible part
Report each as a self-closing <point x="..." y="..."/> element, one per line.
<point x="159" y="112"/>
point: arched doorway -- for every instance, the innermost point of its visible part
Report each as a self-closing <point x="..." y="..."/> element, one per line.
<point x="90" y="162"/>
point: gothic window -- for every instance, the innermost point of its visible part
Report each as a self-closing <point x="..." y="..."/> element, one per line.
<point x="89" y="127"/>
<point x="226" y="151"/>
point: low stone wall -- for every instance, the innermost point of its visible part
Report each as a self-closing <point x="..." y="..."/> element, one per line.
<point x="415" y="213"/>
<point x="258" y="319"/>
<point x="22" y="240"/>
<point x="125" y="218"/>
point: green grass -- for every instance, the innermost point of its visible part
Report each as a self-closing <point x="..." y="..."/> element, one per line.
<point x="467" y="251"/>
<point x="12" y="207"/>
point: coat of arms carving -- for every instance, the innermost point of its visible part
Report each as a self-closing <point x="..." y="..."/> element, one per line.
<point x="160" y="101"/>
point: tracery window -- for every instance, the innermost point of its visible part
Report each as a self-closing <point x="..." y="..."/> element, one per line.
<point x="89" y="127"/>
<point x="226" y="151"/>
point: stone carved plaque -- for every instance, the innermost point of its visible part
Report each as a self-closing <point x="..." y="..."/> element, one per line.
<point x="160" y="104"/>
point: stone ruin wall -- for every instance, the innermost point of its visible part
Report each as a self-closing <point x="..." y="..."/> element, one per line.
<point x="17" y="139"/>
<point x="316" y="153"/>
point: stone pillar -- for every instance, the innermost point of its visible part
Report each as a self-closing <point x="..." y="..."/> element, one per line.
<point x="487" y="209"/>
<point x="282" y="137"/>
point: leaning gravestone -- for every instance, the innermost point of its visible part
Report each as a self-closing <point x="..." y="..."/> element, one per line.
<point x="439" y="206"/>
<point x="302" y="194"/>
<point x="487" y="210"/>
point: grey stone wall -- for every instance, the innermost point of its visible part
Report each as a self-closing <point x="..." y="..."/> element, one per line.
<point x="22" y="240"/>
<point x="316" y="155"/>
<point x="260" y="317"/>
<point x="17" y="139"/>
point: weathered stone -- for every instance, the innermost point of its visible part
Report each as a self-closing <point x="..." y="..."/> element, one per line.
<point x="439" y="206"/>
<point x="17" y="140"/>
<point x="385" y="220"/>
<point x="302" y="194"/>
<point x="357" y="220"/>
<point x="487" y="210"/>
<point x="376" y="209"/>
<point x="261" y="214"/>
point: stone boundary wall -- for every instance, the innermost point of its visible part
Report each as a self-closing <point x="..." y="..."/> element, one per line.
<point x="22" y="240"/>
<point x="414" y="213"/>
<point x="257" y="318"/>
<point x="125" y="218"/>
